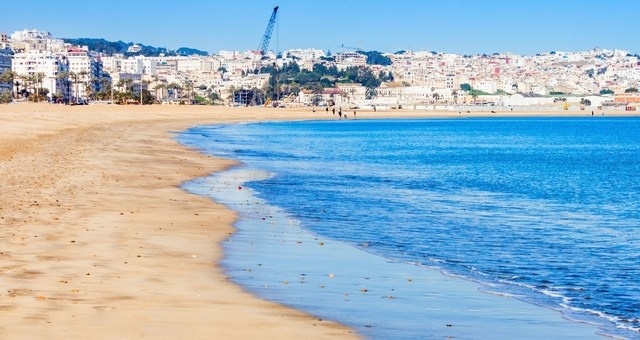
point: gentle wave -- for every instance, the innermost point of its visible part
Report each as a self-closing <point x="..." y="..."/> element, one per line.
<point x="540" y="209"/>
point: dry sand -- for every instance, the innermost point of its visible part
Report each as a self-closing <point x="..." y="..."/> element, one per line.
<point x="98" y="239"/>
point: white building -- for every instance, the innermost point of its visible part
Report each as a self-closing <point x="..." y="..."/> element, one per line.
<point x="350" y="59"/>
<point x="34" y="40"/>
<point x="132" y="65"/>
<point x="305" y="54"/>
<point x="112" y="64"/>
<point x="85" y="73"/>
<point x="135" y="48"/>
<point x="35" y="71"/>
<point x="190" y="64"/>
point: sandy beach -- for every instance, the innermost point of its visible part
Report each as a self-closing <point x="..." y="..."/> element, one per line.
<point x="100" y="241"/>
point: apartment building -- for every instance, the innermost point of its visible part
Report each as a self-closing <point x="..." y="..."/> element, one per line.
<point x="85" y="73"/>
<point x="34" y="41"/>
<point x="349" y="59"/>
<point x="36" y="71"/>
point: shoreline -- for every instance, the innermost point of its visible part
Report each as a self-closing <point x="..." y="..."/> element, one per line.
<point x="254" y="252"/>
<point x="100" y="239"/>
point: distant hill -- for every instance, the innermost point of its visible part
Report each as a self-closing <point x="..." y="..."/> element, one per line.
<point x="112" y="47"/>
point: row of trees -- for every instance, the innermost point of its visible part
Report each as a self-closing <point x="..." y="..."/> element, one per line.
<point x="30" y="86"/>
<point x="127" y="90"/>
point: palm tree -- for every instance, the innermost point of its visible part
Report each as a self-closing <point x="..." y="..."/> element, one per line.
<point x="64" y="76"/>
<point x="31" y="81"/>
<point x="213" y="96"/>
<point x="188" y="85"/>
<point x="371" y="93"/>
<point x="7" y="77"/>
<point x="142" y="85"/>
<point x="83" y="75"/>
<point x="231" y="93"/>
<point x="105" y="87"/>
<point x="176" y="89"/>
<point x="37" y="84"/>
<point x="161" y="87"/>
<point x="74" y="76"/>
<point x="24" y="78"/>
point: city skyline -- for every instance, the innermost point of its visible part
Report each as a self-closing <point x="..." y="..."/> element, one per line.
<point x="460" y="26"/>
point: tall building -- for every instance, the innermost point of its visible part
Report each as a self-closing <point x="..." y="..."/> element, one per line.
<point x="37" y="73"/>
<point x="85" y="73"/>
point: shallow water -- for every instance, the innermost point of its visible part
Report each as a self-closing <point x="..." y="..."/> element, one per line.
<point x="545" y="210"/>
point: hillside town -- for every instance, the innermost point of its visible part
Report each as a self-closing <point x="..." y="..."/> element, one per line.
<point x="36" y="66"/>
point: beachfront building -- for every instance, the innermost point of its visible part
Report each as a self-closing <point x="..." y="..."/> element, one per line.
<point x="126" y="82"/>
<point x="41" y="73"/>
<point x="330" y="97"/>
<point x="628" y="98"/>
<point x="85" y="72"/>
<point x="402" y="94"/>
<point x="354" y="93"/>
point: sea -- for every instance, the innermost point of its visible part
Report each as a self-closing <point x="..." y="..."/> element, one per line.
<point x="429" y="228"/>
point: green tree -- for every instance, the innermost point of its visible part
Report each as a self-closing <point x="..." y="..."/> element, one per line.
<point x="75" y="78"/>
<point x="371" y="93"/>
<point x="161" y="87"/>
<point x="213" y="97"/>
<point x="376" y="58"/>
<point x="5" y="97"/>
<point x="7" y="77"/>
<point x="145" y="96"/>
<point x="174" y="90"/>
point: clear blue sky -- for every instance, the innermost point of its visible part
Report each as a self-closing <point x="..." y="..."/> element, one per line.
<point x="453" y="26"/>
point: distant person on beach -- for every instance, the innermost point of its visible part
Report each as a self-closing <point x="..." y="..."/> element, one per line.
<point x="334" y="111"/>
<point x="354" y="114"/>
<point x="374" y="108"/>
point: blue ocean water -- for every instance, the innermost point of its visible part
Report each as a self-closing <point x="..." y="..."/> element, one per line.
<point x="544" y="209"/>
